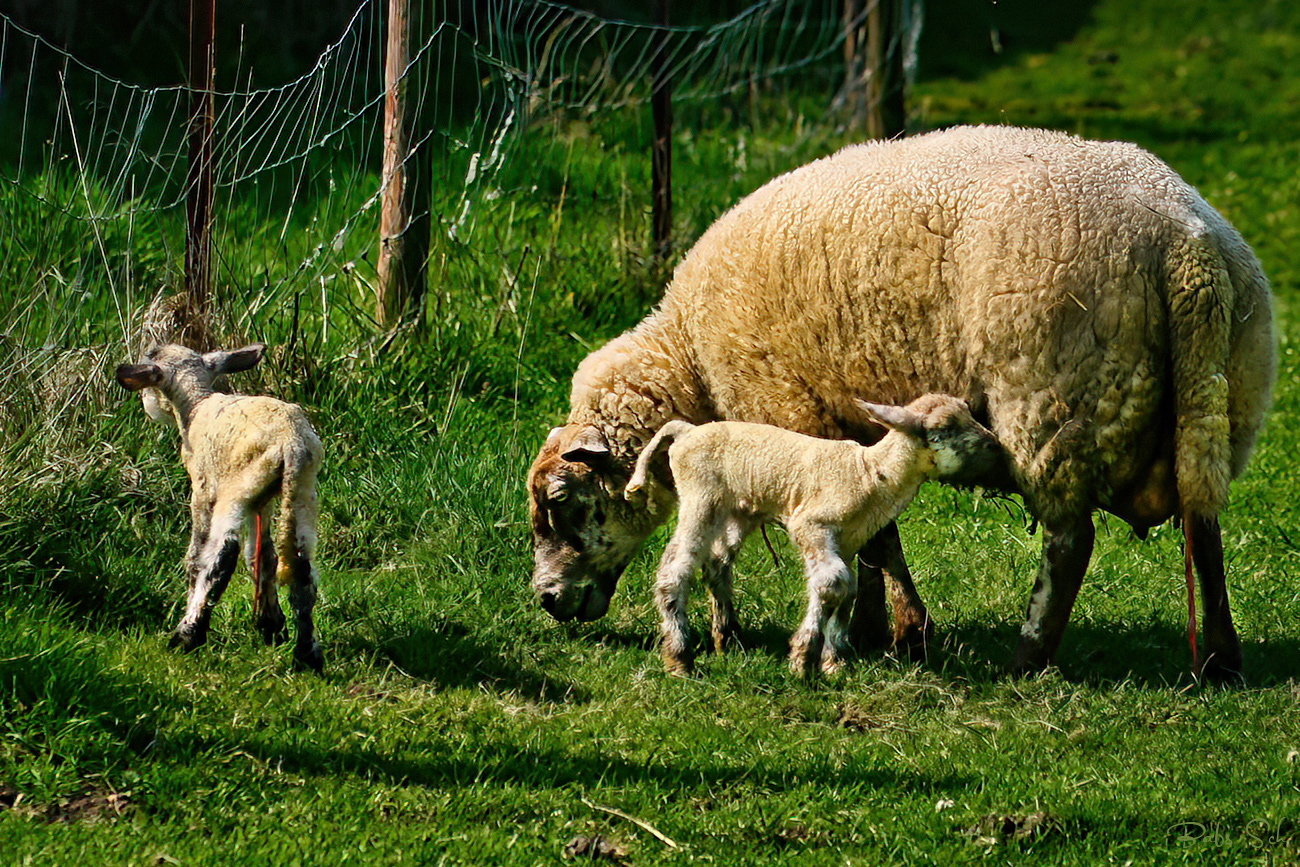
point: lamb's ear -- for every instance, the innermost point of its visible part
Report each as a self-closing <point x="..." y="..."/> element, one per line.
<point x="897" y="418"/>
<point x="134" y="377"/>
<point x="235" y="360"/>
<point x="588" y="446"/>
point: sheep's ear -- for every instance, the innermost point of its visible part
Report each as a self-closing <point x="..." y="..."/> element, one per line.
<point x="235" y="360"/>
<point x="134" y="377"/>
<point x="588" y="446"/>
<point x="894" y="418"/>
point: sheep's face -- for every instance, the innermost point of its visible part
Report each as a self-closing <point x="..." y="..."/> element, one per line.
<point x="584" y="531"/>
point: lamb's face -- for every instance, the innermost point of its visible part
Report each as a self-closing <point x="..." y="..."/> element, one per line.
<point x="584" y="532"/>
<point x="965" y="451"/>
<point x="172" y="375"/>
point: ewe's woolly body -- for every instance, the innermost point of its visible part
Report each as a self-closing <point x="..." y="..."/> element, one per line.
<point x="1079" y="293"/>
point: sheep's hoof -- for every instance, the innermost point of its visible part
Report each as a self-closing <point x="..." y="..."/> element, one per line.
<point x="273" y="631"/>
<point x="679" y="666"/>
<point x="725" y="639"/>
<point x="311" y="658"/>
<point x="1223" y="674"/>
<point x="187" y="641"/>
<point x="913" y="640"/>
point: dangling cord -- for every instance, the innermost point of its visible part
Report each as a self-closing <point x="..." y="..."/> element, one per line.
<point x="257" y="564"/>
<point x="1191" y="592"/>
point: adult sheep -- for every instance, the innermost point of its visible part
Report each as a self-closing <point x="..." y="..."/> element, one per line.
<point x="1107" y="324"/>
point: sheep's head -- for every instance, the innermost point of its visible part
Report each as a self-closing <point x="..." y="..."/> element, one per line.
<point x="965" y="451"/>
<point x="584" y="531"/>
<point x="172" y="378"/>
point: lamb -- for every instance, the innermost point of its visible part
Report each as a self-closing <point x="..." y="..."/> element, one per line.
<point x="830" y="495"/>
<point x="1109" y="326"/>
<point x="244" y="455"/>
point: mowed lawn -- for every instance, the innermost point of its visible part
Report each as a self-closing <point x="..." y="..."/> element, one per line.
<point x="457" y="724"/>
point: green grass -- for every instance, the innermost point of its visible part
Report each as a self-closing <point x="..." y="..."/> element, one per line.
<point x="457" y="724"/>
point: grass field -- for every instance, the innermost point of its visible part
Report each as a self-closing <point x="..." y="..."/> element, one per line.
<point x="457" y="724"/>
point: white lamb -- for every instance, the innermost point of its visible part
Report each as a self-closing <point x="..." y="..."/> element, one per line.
<point x="243" y="454"/>
<point x="830" y="495"/>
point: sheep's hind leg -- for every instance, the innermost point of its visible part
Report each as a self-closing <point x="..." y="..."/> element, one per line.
<point x="268" y="616"/>
<point x="1066" y="551"/>
<point x="1222" y="647"/>
<point x="213" y="556"/>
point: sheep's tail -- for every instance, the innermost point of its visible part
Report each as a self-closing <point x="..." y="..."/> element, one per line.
<point x="295" y="541"/>
<point x="1201" y="298"/>
<point x="661" y="441"/>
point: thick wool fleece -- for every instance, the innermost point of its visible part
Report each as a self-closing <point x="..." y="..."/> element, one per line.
<point x="1080" y="294"/>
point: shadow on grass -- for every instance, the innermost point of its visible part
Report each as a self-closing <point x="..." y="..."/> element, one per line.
<point x="578" y="765"/>
<point x="452" y="655"/>
<point x="1150" y="655"/>
<point x="51" y="675"/>
<point x="969" y="38"/>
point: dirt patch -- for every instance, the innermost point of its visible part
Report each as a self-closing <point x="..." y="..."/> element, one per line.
<point x="91" y="807"/>
<point x="595" y="848"/>
<point x="997" y="828"/>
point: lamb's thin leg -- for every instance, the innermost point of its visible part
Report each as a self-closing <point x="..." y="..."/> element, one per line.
<point x="682" y="554"/>
<point x="717" y="577"/>
<point x="259" y="552"/>
<point x="1066" y="551"/>
<point x="299" y="559"/>
<point x="830" y="585"/>
<point x="210" y="569"/>
<point x="1222" y="648"/>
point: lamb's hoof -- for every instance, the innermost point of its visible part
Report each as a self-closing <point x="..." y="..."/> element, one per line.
<point x="806" y="657"/>
<point x="309" y="659"/>
<point x="187" y="641"/>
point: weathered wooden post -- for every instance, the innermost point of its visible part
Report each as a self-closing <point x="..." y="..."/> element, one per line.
<point x="886" y="115"/>
<point x="404" y="210"/>
<point x="661" y="151"/>
<point x="873" y="66"/>
<point x="198" y="182"/>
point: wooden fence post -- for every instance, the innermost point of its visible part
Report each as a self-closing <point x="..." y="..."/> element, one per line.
<point x="661" y="151"/>
<point x="198" y="182"/>
<point x="404" y="221"/>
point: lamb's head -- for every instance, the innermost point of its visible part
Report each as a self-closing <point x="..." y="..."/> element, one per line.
<point x="584" y="532"/>
<point x="173" y="378"/>
<point x="964" y="451"/>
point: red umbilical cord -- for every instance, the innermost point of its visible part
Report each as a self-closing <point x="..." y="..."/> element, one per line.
<point x="256" y="563"/>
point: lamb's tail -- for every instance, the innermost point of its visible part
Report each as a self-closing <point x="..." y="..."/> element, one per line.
<point x="295" y="541"/>
<point x="1200" y="303"/>
<point x="660" y="442"/>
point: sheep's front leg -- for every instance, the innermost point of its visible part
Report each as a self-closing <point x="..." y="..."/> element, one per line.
<point x="259" y="551"/>
<point x="1066" y="551"/>
<point x="830" y="587"/>
<point x="214" y="553"/>
<point x="882" y="561"/>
